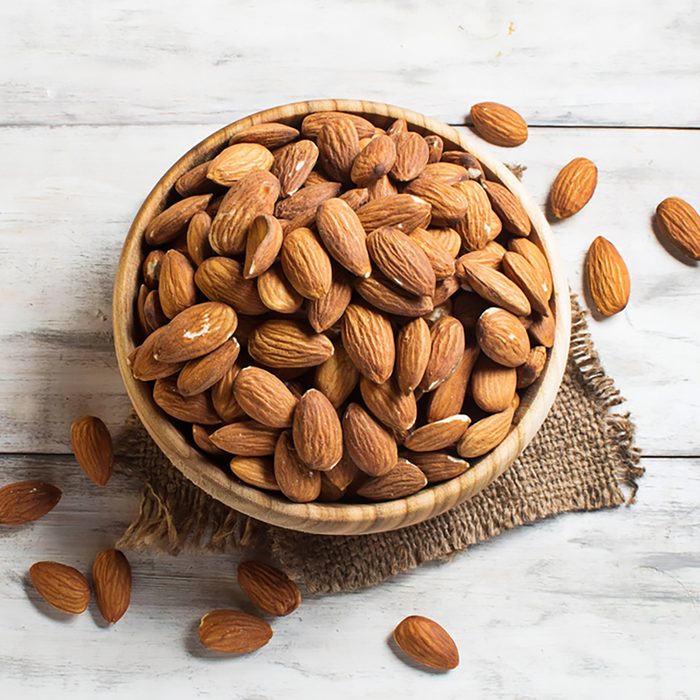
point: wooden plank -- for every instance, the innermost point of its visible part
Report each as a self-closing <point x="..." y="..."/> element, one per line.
<point x="583" y="605"/>
<point x="69" y="194"/>
<point x="605" y="63"/>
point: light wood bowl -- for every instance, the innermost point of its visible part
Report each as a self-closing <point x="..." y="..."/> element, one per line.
<point x="337" y="518"/>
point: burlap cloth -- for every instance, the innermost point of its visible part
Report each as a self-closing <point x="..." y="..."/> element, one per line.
<point x="578" y="461"/>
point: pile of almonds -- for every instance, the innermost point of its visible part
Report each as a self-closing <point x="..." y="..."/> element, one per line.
<point x="342" y="313"/>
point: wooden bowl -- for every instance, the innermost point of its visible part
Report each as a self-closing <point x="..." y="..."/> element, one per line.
<point x="336" y="518"/>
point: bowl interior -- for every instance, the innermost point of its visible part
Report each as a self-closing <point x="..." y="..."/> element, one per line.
<point x="336" y="518"/>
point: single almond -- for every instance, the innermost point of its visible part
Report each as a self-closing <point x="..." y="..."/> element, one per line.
<point x="536" y="258"/>
<point x="402" y="260"/>
<point x="481" y="437"/>
<point x="111" y="576"/>
<point x="535" y="287"/>
<point x="448" y="204"/>
<point x="305" y="202"/>
<point x="338" y="145"/>
<point x="573" y="187"/>
<point x="264" y="397"/>
<point x="233" y="632"/>
<point x="306" y="264"/>
<point x="176" y="288"/>
<point x="446" y="350"/>
<point x="268" y="588"/>
<point x="255" y="471"/>
<point x="223" y="399"/>
<point x="439" y="257"/>
<point x="296" y="481"/>
<point x="681" y="223"/>
<point x="412" y="155"/>
<point x="403" y="480"/>
<point x="496" y="226"/>
<point x="145" y="367"/>
<point x="401" y="210"/>
<point x="343" y="236"/>
<point x="200" y="437"/>
<point x="195" y="181"/>
<point x="276" y="293"/>
<point x="375" y="160"/>
<point x="198" y="248"/>
<point x="502" y="338"/>
<point x="313" y="123"/>
<point x="447" y="173"/>
<point x="475" y="227"/>
<point x="426" y="642"/>
<point x="397" y="127"/>
<point x="389" y="404"/>
<point x="380" y="293"/>
<point x="336" y="482"/>
<point x="191" y="409"/>
<point x="337" y="377"/>
<point x="200" y="374"/>
<point x="263" y="243"/>
<point x="292" y="165"/>
<point x="492" y="385"/>
<point x="271" y="135"/>
<point x="490" y="256"/>
<point x="281" y="343"/>
<point x="246" y="438"/>
<point x="92" y="447"/>
<point x="150" y="269"/>
<point x="437" y="435"/>
<point x="171" y="222"/>
<point x="529" y="372"/>
<point x="448" y="238"/>
<point x="317" y="433"/>
<point x="498" y="124"/>
<point x="153" y="315"/>
<point x="607" y="277"/>
<point x="61" y="586"/>
<point x="494" y="287"/>
<point x="438" y="466"/>
<point x="370" y="447"/>
<point x="412" y="354"/>
<point x="508" y="209"/>
<point x="541" y="329"/>
<point x="447" y="400"/>
<point x="222" y="279"/>
<point x="369" y="340"/>
<point x="25" y="501"/>
<point x="238" y="160"/>
<point x="329" y="309"/>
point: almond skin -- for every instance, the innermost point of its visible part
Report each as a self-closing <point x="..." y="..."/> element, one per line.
<point x="413" y="344"/>
<point x="338" y="145"/>
<point x="61" y="586"/>
<point x="238" y="160"/>
<point x="355" y="198"/>
<point x="401" y="210"/>
<point x="171" y="222"/>
<point x="573" y="187"/>
<point x="426" y="642"/>
<point x="498" y="124"/>
<point x="296" y="481"/>
<point x="375" y="160"/>
<point x="475" y="228"/>
<point x="381" y="187"/>
<point x="681" y="223"/>
<point x="264" y="397"/>
<point x="490" y="256"/>
<point x="305" y="202"/>
<point x="337" y="377"/>
<point x="336" y="482"/>
<point x="268" y="588"/>
<point x="317" y="433"/>
<point x="402" y="260"/>
<point x="481" y="437"/>
<point x="111" y="576"/>
<point x="306" y="264"/>
<point x="292" y="165"/>
<point x="369" y="340"/>
<point x="438" y="466"/>
<point x="437" y="435"/>
<point x="607" y="277"/>
<point x="255" y="471"/>
<point x="446" y="350"/>
<point x="448" y="398"/>
<point x="280" y="343"/>
<point x="403" y="480"/>
<point x="494" y="287"/>
<point x="467" y="161"/>
<point x="191" y="409"/>
<point x="493" y="385"/>
<point x="25" y="501"/>
<point x="223" y="279"/>
<point x="389" y="404"/>
<point x="246" y="438"/>
<point x="412" y="155"/>
<point x="370" y="447"/>
<point x="508" y="209"/>
<point x="343" y="236"/>
<point x="270" y="135"/>
<point x="262" y="245"/>
<point x="202" y="373"/>
<point x="92" y="447"/>
<point x="233" y="632"/>
<point x="502" y="338"/>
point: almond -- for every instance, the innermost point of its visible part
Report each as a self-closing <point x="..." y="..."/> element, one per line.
<point x="61" y="586"/>
<point x="191" y="409"/>
<point x="475" y="228"/>
<point x="426" y="642"/>
<point x="254" y="194"/>
<point x="447" y="400"/>
<point x="255" y="471"/>
<point x="93" y="449"/>
<point x="403" y="480"/>
<point x="296" y="481"/>
<point x="221" y="279"/>
<point x="517" y="268"/>
<point x="375" y="160"/>
<point x="446" y="350"/>
<point x="111" y="576"/>
<point x="438" y="466"/>
<point x="264" y="397"/>
<point x="145" y="367"/>
<point x="25" y="501"/>
<point x="536" y="258"/>
<point x="412" y="354"/>
<point x="153" y="316"/>
<point x="437" y="435"/>
<point x="508" y="209"/>
<point x="277" y="293"/>
<point x="402" y="260"/>
<point x="246" y="438"/>
<point x="378" y="292"/>
<point x="306" y="201"/>
<point x="467" y="161"/>
<point x="498" y="124"/>
<point x="397" y="127"/>
<point x="412" y="155"/>
<point x="176" y="288"/>
<point x="481" y="437"/>
<point x="355" y="198"/>
<point x="292" y="165"/>
<point x="401" y="210"/>
<point x="317" y="433"/>
<point x="281" y="343"/>
<point x="607" y="277"/>
<point x="389" y="404"/>
<point x="342" y="234"/>
<point x="336" y="482"/>
<point x="370" y="447"/>
<point x="338" y="145"/>
<point x="502" y="338"/>
<point x="306" y="264"/>
<point x="448" y="238"/>
<point x="494" y="287"/>
<point x="440" y="260"/>
<point x="541" y="329"/>
<point x="573" y="187"/>
<point x="233" y="632"/>
<point x="268" y="588"/>
<point x="529" y="372"/>
<point x="200" y="374"/>
<point x="150" y="270"/>
<point x="195" y="331"/>
<point x="381" y="187"/>
<point x="195" y="181"/>
<point x="369" y="340"/>
<point x="313" y="123"/>
<point x="236" y="161"/>
<point x="223" y="399"/>
<point x="492" y="385"/>
<point x="681" y="223"/>
<point x="446" y="173"/>
<point x="337" y="377"/>
<point x="263" y="243"/>
<point x="270" y="135"/>
<point x="490" y="256"/>
<point x="198" y="247"/>
<point x="448" y="204"/>
<point x="329" y="309"/>
<point x="200" y="437"/>
<point x="171" y="222"/>
<point x="496" y="225"/>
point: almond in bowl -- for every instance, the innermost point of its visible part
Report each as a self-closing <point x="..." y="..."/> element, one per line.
<point x="340" y="317"/>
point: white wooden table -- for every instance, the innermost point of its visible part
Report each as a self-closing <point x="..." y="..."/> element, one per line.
<point x="97" y="99"/>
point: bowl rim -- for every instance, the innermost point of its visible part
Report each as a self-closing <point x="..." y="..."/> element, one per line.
<point x="337" y="518"/>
